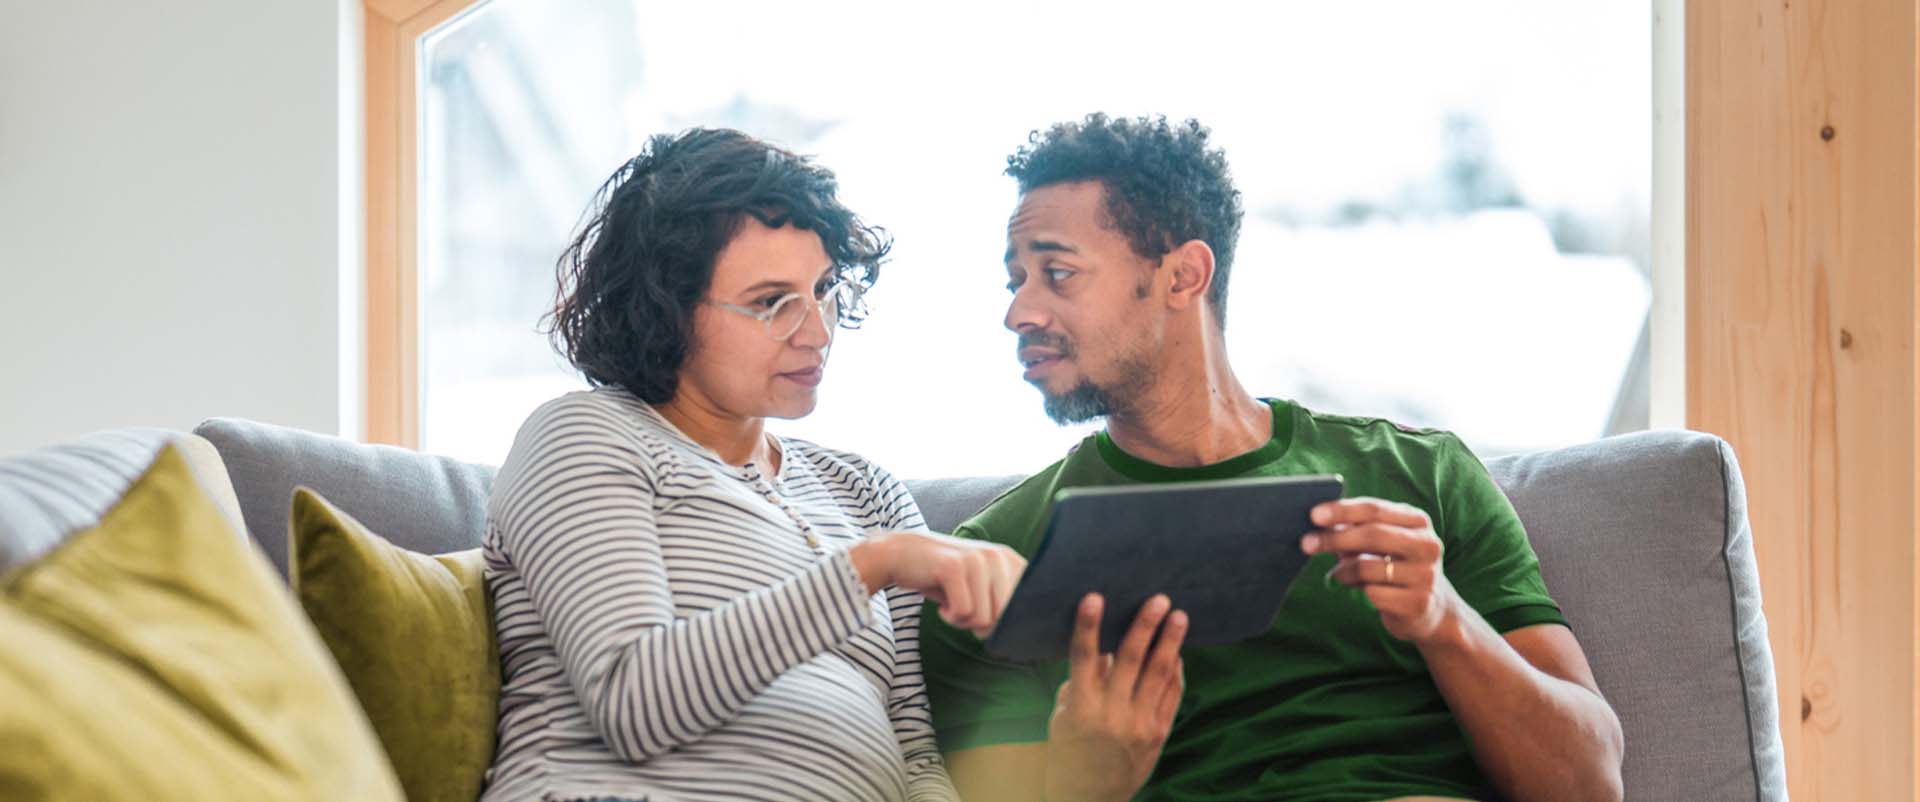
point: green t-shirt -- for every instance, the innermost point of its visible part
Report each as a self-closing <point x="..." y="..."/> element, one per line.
<point x="1326" y="705"/>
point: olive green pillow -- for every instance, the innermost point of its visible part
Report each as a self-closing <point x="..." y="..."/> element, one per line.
<point x="414" y="634"/>
<point x="157" y="657"/>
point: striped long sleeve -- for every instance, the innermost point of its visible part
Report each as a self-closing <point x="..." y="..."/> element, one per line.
<point x="576" y="515"/>
<point x="907" y="704"/>
<point x="908" y="708"/>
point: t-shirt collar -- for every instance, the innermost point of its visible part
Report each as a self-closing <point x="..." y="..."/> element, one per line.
<point x="1141" y="470"/>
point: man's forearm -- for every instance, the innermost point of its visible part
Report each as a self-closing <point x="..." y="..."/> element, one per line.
<point x="1536" y="736"/>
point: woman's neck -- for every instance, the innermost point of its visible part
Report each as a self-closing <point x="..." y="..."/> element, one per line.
<point x="737" y="440"/>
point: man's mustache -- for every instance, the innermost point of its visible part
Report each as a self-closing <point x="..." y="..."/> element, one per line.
<point x="1045" y="339"/>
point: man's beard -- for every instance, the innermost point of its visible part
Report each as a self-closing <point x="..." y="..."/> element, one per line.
<point x="1088" y="400"/>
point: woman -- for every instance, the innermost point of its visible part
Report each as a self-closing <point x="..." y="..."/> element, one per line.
<point x="690" y="608"/>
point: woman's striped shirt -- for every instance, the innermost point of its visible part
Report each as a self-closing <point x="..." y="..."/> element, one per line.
<point x="667" y="633"/>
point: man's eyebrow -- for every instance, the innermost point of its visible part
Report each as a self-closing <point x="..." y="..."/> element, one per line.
<point x="1046" y="246"/>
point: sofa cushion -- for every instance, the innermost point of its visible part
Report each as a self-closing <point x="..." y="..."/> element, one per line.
<point x="425" y="504"/>
<point x="50" y="493"/>
<point x="1643" y="540"/>
<point x="414" y="635"/>
<point x="155" y="656"/>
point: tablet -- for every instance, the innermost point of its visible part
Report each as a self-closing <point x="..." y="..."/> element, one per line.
<point x="1226" y="552"/>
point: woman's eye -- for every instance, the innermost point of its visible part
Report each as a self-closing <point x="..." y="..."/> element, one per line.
<point x="767" y="302"/>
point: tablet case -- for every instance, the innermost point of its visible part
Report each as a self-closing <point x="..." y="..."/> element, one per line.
<point x="1226" y="552"/>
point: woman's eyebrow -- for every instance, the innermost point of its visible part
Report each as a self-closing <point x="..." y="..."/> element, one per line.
<point x="783" y="284"/>
<point x="769" y="284"/>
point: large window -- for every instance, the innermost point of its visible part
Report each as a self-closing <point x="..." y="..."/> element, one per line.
<point x="1447" y="203"/>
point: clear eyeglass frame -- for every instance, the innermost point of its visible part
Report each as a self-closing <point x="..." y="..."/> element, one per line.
<point x="787" y="314"/>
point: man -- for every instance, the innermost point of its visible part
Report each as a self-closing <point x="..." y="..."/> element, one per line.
<point x="1429" y="663"/>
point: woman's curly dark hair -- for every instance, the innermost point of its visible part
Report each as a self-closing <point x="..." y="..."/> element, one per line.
<point x="643" y="260"/>
<point x="1164" y="185"/>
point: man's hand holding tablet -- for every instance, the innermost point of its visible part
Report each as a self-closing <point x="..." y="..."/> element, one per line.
<point x="1115" y="710"/>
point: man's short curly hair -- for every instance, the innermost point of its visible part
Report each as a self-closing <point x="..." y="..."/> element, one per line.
<point x="1164" y="186"/>
<point x="643" y="259"/>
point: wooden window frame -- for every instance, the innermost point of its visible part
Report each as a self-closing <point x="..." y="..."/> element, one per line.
<point x="393" y="29"/>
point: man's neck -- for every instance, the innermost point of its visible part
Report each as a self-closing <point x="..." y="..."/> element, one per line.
<point x="1197" y="413"/>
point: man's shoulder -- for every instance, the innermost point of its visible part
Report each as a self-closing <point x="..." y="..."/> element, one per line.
<point x="1385" y="458"/>
<point x="1371" y="424"/>
<point x="1014" y="517"/>
<point x="1009" y="515"/>
<point x="1364" y="434"/>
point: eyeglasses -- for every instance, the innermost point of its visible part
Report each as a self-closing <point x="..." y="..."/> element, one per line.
<point x="788" y="312"/>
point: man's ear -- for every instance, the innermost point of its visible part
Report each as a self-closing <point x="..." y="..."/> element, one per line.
<point x="1190" y="267"/>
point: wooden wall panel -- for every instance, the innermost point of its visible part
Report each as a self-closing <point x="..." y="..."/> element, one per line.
<point x="1801" y="329"/>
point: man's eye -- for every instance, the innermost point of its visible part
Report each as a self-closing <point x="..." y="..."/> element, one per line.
<point x="1057" y="275"/>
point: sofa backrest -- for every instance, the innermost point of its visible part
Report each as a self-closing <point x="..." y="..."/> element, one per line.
<point x="1643" y="540"/>
<point x="428" y="504"/>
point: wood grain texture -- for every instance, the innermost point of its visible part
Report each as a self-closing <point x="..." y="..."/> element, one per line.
<point x="389" y="343"/>
<point x="398" y="10"/>
<point x="1801" y="328"/>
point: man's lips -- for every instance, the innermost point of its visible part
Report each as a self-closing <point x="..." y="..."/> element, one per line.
<point x="1033" y="354"/>
<point x="1038" y="360"/>
<point x="807" y="378"/>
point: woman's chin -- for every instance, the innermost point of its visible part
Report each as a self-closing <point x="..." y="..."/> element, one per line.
<point x="794" y="406"/>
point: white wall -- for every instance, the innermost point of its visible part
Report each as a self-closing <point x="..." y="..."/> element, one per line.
<point x="173" y="215"/>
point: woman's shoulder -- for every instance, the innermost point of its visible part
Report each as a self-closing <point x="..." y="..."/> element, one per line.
<point x="601" y="419"/>
<point x="863" y="489"/>
<point x="606" y="400"/>
<point x="836" y="462"/>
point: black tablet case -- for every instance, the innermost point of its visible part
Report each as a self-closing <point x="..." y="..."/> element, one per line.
<point x="1226" y="552"/>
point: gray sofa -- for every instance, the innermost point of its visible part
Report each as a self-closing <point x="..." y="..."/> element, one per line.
<point x="1643" y="540"/>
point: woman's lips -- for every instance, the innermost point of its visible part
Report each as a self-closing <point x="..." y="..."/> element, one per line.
<point x="806" y="378"/>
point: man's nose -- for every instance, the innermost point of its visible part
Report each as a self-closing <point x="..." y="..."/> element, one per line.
<point x="1024" y="312"/>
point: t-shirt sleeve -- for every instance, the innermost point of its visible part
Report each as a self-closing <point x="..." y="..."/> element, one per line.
<point x="977" y="700"/>
<point x="1487" y="556"/>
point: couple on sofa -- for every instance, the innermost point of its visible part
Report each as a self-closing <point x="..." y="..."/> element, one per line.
<point x="691" y="608"/>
